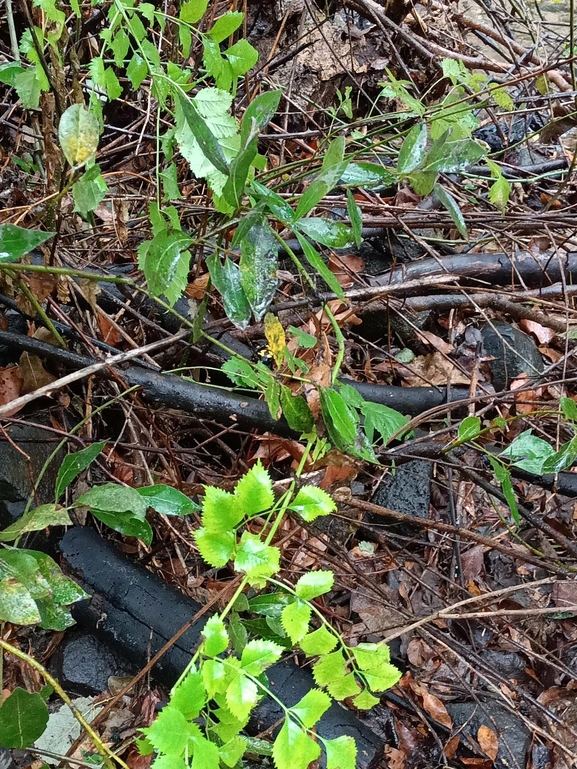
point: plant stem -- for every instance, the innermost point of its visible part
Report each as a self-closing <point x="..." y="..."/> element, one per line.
<point x="108" y="755"/>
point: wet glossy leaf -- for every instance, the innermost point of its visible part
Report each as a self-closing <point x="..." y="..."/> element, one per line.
<point x="369" y="176"/>
<point x="78" y="133"/>
<point x="35" y="520"/>
<point x="413" y="150"/>
<point x="258" y="265"/>
<point x="206" y="139"/>
<point x="327" y="232"/>
<point x="453" y="208"/>
<point x="165" y="261"/>
<point x="16" y="242"/>
<point x="74" y="464"/>
<point x="166" y="500"/>
<point x="469" y="429"/>
<point x="227" y="280"/>
<point x="296" y="411"/>
<point x="293" y="748"/>
<point x="340" y="420"/>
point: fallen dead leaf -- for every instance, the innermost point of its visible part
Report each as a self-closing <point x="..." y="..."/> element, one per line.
<point x="435" y="341"/>
<point x="541" y="333"/>
<point x="10" y="386"/>
<point x="433" y="369"/>
<point x="435" y="708"/>
<point x="344" y="268"/>
<point x="488" y="741"/>
<point x="34" y="375"/>
<point x="197" y="289"/>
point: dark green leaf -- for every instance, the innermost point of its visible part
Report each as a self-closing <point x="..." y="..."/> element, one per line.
<point x="296" y="411"/>
<point x="382" y="419"/>
<point x="504" y="478"/>
<point x="561" y="459"/>
<point x="469" y="429"/>
<point x="35" y="520"/>
<point x="23" y="719"/>
<point x="227" y="280"/>
<point x="327" y="232"/>
<point x="569" y="409"/>
<point x="165" y="261"/>
<point x="367" y="175"/>
<point x="413" y="151"/>
<point x="356" y="218"/>
<point x="127" y="524"/>
<point x="74" y="464"/>
<point x="528" y="452"/>
<point x="314" y="259"/>
<point x="167" y="501"/>
<point x="9" y="71"/>
<point x="113" y="498"/>
<point x="340" y="420"/>
<point x="203" y="135"/>
<point x="453" y="208"/>
<point x="258" y="265"/>
<point x="16" y="242"/>
<point x="274" y="202"/>
<point x="458" y="156"/>
<point x="259" y="113"/>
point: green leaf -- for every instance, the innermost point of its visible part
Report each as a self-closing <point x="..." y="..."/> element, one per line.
<point x="35" y="520"/>
<point x="528" y="452"/>
<point x="469" y="429"/>
<point x="29" y="85"/>
<point x="232" y="751"/>
<point x="227" y="280"/>
<point x="356" y="218"/>
<point x="215" y="637"/>
<point x="340" y="420"/>
<point x="16" y="242"/>
<point x="413" y="150"/>
<point x="216" y="549"/>
<point x="23" y="719"/>
<point x="259" y="655"/>
<point x="89" y="191"/>
<point x="457" y="156"/>
<point x="241" y="696"/>
<point x="74" y="464"/>
<point x="204" y="753"/>
<point x="192" y="11"/>
<point x="369" y="176"/>
<point x="241" y="56"/>
<point x="189" y="697"/>
<point x="382" y="419"/>
<point x="423" y="182"/>
<point x="214" y="677"/>
<point x="274" y="202"/>
<point x="296" y="411"/>
<point x="365" y="700"/>
<point x="504" y="478"/>
<point x="341" y="752"/>
<point x="8" y="72"/>
<point x="311" y="503"/>
<point x="136" y="71"/>
<point x="502" y="99"/>
<point x="170" y="732"/>
<point x="314" y="583"/>
<point x="320" y="641"/>
<point x="255" y="558"/>
<point x="326" y="232"/>
<point x="306" y="341"/>
<point x="293" y="748"/>
<point x="295" y="620"/>
<point x="254" y="493"/>
<point x="453" y="208"/>
<point x="329" y="668"/>
<point x="225" y="26"/>
<point x="165" y="262"/>
<point x="237" y="632"/>
<point x="343" y="687"/>
<point x="569" y="408"/>
<point x="241" y="372"/>
<point x="561" y="459"/>
<point x="206" y="139"/>
<point x="269" y="604"/>
<point x="126" y="523"/>
<point x="372" y="657"/>
<point x="221" y="510"/>
<point x="170" y="188"/>
<point x="78" y="133"/>
<point x="500" y="190"/>
<point x="384" y="679"/>
<point x="258" y="265"/>
<point x="166" y="500"/>
<point x="311" y="707"/>
<point x="332" y="170"/>
<point x="34" y="590"/>
<point x="259" y="113"/>
<point x="114" y="498"/>
<point x="314" y="259"/>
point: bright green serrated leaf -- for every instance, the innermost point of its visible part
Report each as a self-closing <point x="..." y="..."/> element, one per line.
<point x="189" y="696"/>
<point x="343" y="687"/>
<point x="193" y="11"/>
<point x="215" y="637"/>
<point x="341" y="752"/>
<point x="365" y="700"/>
<point x="311" y="707"/>
<point x="241" y="696"/>
<point x="293" y="748"/>
<point x="254" y="493"/>
<point x="311" y="503"/>
<point x="314" y="583"/>
<point x="169" y="733"/>
<point x="256" y="559"/>
<point x="329" y="668"/>
<point x="295" y="619"/>
<point x="225" y="26"/>
<point x="221" y="510"/>
<point x="259" y="655"/>
<point x="216" y="549"/>
<point x="319" y="642"/>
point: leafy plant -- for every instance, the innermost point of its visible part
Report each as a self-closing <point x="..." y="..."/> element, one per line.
<point x="212" y="702"/>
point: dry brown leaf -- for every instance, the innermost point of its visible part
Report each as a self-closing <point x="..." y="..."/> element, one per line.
<point x="541" y="333"/>
<point x="34" y="375"/>
<point x="10" y="386"/>
<point x="345" y="268"/>
<point x="435" y="708"/>
<point x="197" y="289"/>
<point x="526" y="400"/>
<point x="396" y="759"/>
<point x="435" y="341"/>
<point x="450" y="747"/>
<point x="109" y="331"/>
<point x="42" y="285"/>
<point x="488" y="741"/>
<point x="90" y="291"/>
<point x="433" y="369"/>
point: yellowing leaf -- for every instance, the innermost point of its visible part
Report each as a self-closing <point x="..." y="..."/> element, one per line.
<point x="78" y="132"/>
<point x="275" y="336"/>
